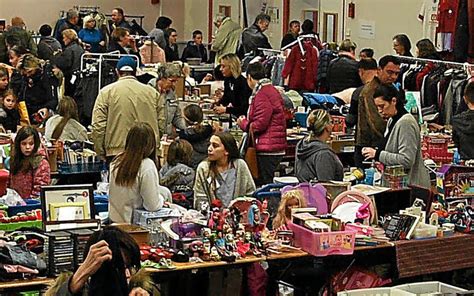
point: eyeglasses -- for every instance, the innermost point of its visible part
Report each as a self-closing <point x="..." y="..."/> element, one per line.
<point x="174" y="35"/>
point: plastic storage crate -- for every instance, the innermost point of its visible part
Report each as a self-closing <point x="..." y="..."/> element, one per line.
<point x="322" y="244"/>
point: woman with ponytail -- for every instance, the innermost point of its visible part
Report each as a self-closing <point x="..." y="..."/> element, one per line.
<point x="65" y="125"/>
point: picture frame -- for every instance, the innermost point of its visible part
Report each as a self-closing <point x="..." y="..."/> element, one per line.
<point x="57" y="197"/>
<point x="68" y="211"/>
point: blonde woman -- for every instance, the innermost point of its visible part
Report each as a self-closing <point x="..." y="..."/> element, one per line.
<point x="235" y="99"/>
<point x="314" y="158"/>
<point x="37" y="88"/>
<point x="69" y="60"/>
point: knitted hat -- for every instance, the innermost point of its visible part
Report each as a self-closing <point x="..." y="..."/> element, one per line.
<point x="317" y="120"/>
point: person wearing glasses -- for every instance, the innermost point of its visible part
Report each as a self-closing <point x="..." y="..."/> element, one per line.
<point x="171" y="50"/>
<point x="170" y="119"/>
<point x="314" y="158"/>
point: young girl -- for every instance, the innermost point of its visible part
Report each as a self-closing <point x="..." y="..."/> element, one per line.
<point x="134" y="181"/>
<point x="197" y="133"/>
<point x="176" y="173"/>
<point x="3" y="81"/>
<point x="289" y="200"/>
<point x="9" y="115"/>
<point x="65" y="125"/>
<point x="29" y="169"/>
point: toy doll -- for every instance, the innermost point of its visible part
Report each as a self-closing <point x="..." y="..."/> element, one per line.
<point x="290" y="199"/>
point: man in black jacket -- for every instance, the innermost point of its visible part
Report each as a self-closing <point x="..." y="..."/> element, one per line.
<point x="292" y="34"/>
<point x="253" y="38"/>
<point x="463" y="125"/>
<point x="343" y="71"/>
<point x="195" y="48"/>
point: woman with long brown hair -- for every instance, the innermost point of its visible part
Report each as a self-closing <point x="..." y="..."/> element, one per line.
<point x="65" y="125"/>
<point x="134" y="181"/>
<point x="224" y="175"/>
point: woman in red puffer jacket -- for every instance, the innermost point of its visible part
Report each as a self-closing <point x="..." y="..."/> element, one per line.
<point x="266" y="118"/>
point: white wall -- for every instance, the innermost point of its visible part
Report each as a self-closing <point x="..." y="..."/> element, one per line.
<point x="391" y="18"/>
<point x="38" y="12"/>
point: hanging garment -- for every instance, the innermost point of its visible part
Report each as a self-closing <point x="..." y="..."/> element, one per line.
<point x="151" y="53"/>
<point x="447" y="14"/>
<point x="461" y="46"/>
<point x="429" y="16"/>
<point x="277" y="69"/>
<point x="302" y="68"/>
<point x="88" y="89"/>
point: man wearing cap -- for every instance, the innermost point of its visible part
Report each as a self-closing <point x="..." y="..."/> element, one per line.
<point x="343" y="71"/>
<point x="119" y="106"/>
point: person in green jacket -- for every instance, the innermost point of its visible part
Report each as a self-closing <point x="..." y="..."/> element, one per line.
<point x="226" y="38"/>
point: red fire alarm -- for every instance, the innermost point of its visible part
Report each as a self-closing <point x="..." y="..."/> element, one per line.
<point x="352" y="10"/>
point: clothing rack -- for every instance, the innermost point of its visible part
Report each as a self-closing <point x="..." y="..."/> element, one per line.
<point x="269" y="51"/>
<point x="465" y="66"/>
<point x="101" y="57"/>
<point x="298" y="40"/>
<point x="140" y="17"/>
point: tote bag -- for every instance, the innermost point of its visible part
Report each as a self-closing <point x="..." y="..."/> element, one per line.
<point x="251" y="155"/>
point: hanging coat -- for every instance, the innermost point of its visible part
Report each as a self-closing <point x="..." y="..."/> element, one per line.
<point x="302" y="69"/>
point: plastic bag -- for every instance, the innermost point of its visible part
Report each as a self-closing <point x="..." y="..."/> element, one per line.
<point x="12" y="198"/>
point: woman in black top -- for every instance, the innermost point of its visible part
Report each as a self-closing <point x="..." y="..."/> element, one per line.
<point x="235" y="99"/>
<point x="38" y="87"/>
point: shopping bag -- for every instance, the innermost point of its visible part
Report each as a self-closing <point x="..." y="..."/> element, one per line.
<point x="251" y="155"/>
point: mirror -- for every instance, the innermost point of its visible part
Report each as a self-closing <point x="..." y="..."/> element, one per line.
<point x="330" y="27"/>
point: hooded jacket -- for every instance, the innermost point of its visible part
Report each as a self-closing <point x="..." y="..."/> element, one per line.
<point x="343" y="72"/>
<point x="463" y="133"/>
<point x="199" y="139"/>
<point x="315" y="159"/>
<point x="47" y="46"/>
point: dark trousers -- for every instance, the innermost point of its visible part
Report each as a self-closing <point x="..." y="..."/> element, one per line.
<point x="267" y="165"/>
<point x="358" y="157"/>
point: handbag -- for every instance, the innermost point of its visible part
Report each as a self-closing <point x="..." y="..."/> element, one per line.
<point x="251" y="155"/>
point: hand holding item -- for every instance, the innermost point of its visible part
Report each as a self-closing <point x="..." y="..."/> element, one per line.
<point x="98" y="254"/>
<point x="368" y="152"/>
<point x="220" y="109"/>
<point x="240" y="119"/>
<point x="216" y="128"/>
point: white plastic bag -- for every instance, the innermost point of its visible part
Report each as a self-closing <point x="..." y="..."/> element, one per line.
<point x="12" y="198"/>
